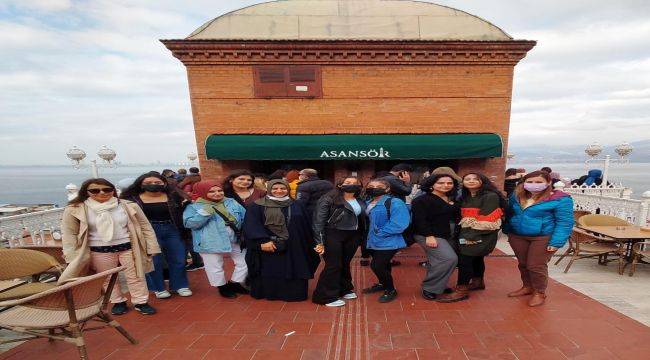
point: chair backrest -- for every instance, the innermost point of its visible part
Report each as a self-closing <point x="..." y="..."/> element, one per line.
<point x="54" y="251"/>
<point x="16" y="263"/>
<point x="86" y="291"/>
<point x="577" y="214"/>
<point x="601" y="220"/>
<point x="580" y="236"/>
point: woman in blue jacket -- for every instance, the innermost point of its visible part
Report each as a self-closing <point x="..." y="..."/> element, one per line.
<point x="215" y="221"/>
<point x="384" y="235"/>
<point x="539" y="220"/>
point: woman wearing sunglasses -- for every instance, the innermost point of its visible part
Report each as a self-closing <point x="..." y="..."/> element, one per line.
<point x="101" y="231"/>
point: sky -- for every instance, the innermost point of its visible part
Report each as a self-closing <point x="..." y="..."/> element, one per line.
<point x="92" y="72"/>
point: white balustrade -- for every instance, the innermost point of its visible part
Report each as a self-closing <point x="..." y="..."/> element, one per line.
<point x="634" y="211"/>
<point x="14" y="229"/>
<point x="612" y="190"/>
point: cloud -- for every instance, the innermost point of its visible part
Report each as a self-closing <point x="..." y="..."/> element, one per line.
<point x="92" y="72"/>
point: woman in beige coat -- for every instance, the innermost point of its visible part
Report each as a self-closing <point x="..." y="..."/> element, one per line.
<point x="102" y="232"/>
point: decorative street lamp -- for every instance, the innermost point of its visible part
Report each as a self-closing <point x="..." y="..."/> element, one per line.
<point x="623" y="150"/>
<point x="192" y="157"/>
<point x="510" y="156"/>
<point x="107" y="155"/>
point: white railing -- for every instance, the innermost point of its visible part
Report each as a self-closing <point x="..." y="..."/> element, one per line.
<point x="14" y="229"/>
<point x="612" y="190"/>
<point x="634" y="211"/>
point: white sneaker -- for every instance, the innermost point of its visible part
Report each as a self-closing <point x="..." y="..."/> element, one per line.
<point x="336" y="303"/>
<point x="350" y="296"/>
<point x="184" y="292"/>
<point x="163" y="294"/>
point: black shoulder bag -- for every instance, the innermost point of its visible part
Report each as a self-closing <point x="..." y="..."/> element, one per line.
<point x="230" y="224"/>
<point x="408" y="233"/>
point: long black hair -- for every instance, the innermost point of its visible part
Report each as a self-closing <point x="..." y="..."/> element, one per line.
<point x="82" y="194"/>
<point x="486" y="186"/>
<point x="227" y="182"/>
<point x="427" y="183"/>
<point x="136" y="189"/>
<point x="337" y="194"/>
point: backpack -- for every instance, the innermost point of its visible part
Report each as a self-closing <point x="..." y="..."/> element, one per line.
<point x="408" y="233"/>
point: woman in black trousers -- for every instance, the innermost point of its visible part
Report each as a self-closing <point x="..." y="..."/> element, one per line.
<point x="339" y="223"/>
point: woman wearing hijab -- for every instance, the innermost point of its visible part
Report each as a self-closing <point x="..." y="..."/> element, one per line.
<point x="216" y="221"/>
<point x="281" y="257"/>
<point x="101" y="231"/>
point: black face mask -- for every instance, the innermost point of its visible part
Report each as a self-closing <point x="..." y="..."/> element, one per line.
<point x="374" y="192"/>
<point x="153" y="187"/>
<point x="354" y="188"/>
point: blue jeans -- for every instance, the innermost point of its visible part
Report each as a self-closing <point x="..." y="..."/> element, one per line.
<point x="173" y="249"/>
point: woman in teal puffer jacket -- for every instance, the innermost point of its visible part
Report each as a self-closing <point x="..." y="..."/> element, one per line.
<point x="215" y="221"/>
<point x="539" y="220"/>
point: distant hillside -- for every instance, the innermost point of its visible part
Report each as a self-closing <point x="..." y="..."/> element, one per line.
<point x="576" y="153"/>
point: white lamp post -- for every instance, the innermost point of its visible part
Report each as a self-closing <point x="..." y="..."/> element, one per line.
<point x="107" y="155"/>
<point x="623" y="150"/>
<point x="192" y="157"/>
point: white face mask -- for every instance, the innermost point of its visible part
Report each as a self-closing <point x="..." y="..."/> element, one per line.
<point x="284" y="198"/>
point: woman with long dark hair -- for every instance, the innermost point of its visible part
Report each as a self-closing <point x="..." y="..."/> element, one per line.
<point x="280" y="247"/>
<point x="434" y="214"/>
<point x="101" y="231"/>
<point x="164" y="209"/>
<point x="239" y="185"/>
<point x="339" y="224"/>
<point x="481" y="212"/>
<point x="539" y="221"/>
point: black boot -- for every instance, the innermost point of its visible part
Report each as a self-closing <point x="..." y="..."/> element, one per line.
<point x="226" y="291"/>
<point x="238" y="288"/>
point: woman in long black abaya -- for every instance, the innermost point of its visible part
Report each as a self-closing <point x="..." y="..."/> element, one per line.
<point x="274" y="273"/>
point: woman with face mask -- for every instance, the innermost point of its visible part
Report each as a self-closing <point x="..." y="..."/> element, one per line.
<point x="384" y="235"/>
<point x="101" y="231"/>
<point x="339" y="223"/>
<point x="164" y="209"/>
<point x="539" y="220"/>
<point x="216" y="221"/>
<point x="280" y="247"/>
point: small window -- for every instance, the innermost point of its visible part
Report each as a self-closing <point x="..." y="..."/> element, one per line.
<point x="287" y="81"/>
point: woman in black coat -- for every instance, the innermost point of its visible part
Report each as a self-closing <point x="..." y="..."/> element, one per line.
<point x="281" y="257"/>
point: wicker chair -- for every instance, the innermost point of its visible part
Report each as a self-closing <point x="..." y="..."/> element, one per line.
<point x="577" y="214"/>
<point x="583" y="245"/>
<point x="639" y="250"/>
<point x="601" y="220"/>
<point x="61" y="313"/>
<point x="20" y="263"/>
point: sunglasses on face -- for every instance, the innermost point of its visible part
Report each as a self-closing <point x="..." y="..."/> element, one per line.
<point x="104" y="190"/>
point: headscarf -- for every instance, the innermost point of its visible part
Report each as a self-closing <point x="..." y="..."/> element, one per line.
<point x="201" y="190"/>
<point x="592" y="176"/>
<point x="274" y="218"/>
<point x="447" y="171"/>
<point x="103" y="217"/>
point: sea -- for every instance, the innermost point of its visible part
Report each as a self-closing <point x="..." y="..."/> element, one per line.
<point x="46" y="184"/>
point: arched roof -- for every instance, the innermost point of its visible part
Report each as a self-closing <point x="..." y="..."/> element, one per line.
<point x="348" y="20"/>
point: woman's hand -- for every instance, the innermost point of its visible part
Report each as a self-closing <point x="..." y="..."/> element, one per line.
<point x="551" y="249"/>
<point x="268" y="246"/>
<point x="320" y="249"/>
<point x="431" y="241"/>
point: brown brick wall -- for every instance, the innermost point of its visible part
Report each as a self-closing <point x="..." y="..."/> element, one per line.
<point x="357" y="99"/>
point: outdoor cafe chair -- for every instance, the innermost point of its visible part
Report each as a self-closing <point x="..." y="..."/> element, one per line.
<point x="62" y="312"/>
<point x="639" y="250"/>
<point x="601" y="220"/>
<point x="584" y="245"/>
<point x="22" y="263"/>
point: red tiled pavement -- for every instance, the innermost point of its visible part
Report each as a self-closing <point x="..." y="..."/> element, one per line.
<point x="488" y="326"/>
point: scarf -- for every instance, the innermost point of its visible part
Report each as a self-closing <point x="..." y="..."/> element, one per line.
<point x="219" y="206"/>
<point x="274" y="218"/>
<point x="105" y="226"/>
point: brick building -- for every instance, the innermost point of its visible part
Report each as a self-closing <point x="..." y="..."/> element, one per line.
<point x="350" y="86"/>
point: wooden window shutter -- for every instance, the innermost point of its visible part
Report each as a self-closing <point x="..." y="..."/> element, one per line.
<point x="270" y="81"/>
<point x="304" y="81"/>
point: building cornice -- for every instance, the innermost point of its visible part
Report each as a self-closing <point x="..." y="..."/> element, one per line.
<point x="216" y="52"/>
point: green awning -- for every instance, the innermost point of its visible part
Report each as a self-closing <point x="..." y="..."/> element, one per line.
<point x="352" y="147"/>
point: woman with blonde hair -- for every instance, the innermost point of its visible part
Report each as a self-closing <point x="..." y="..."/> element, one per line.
<point x="539" y="221"/>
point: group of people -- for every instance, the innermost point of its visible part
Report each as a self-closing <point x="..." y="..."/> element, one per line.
<point x="278" y="235"/>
